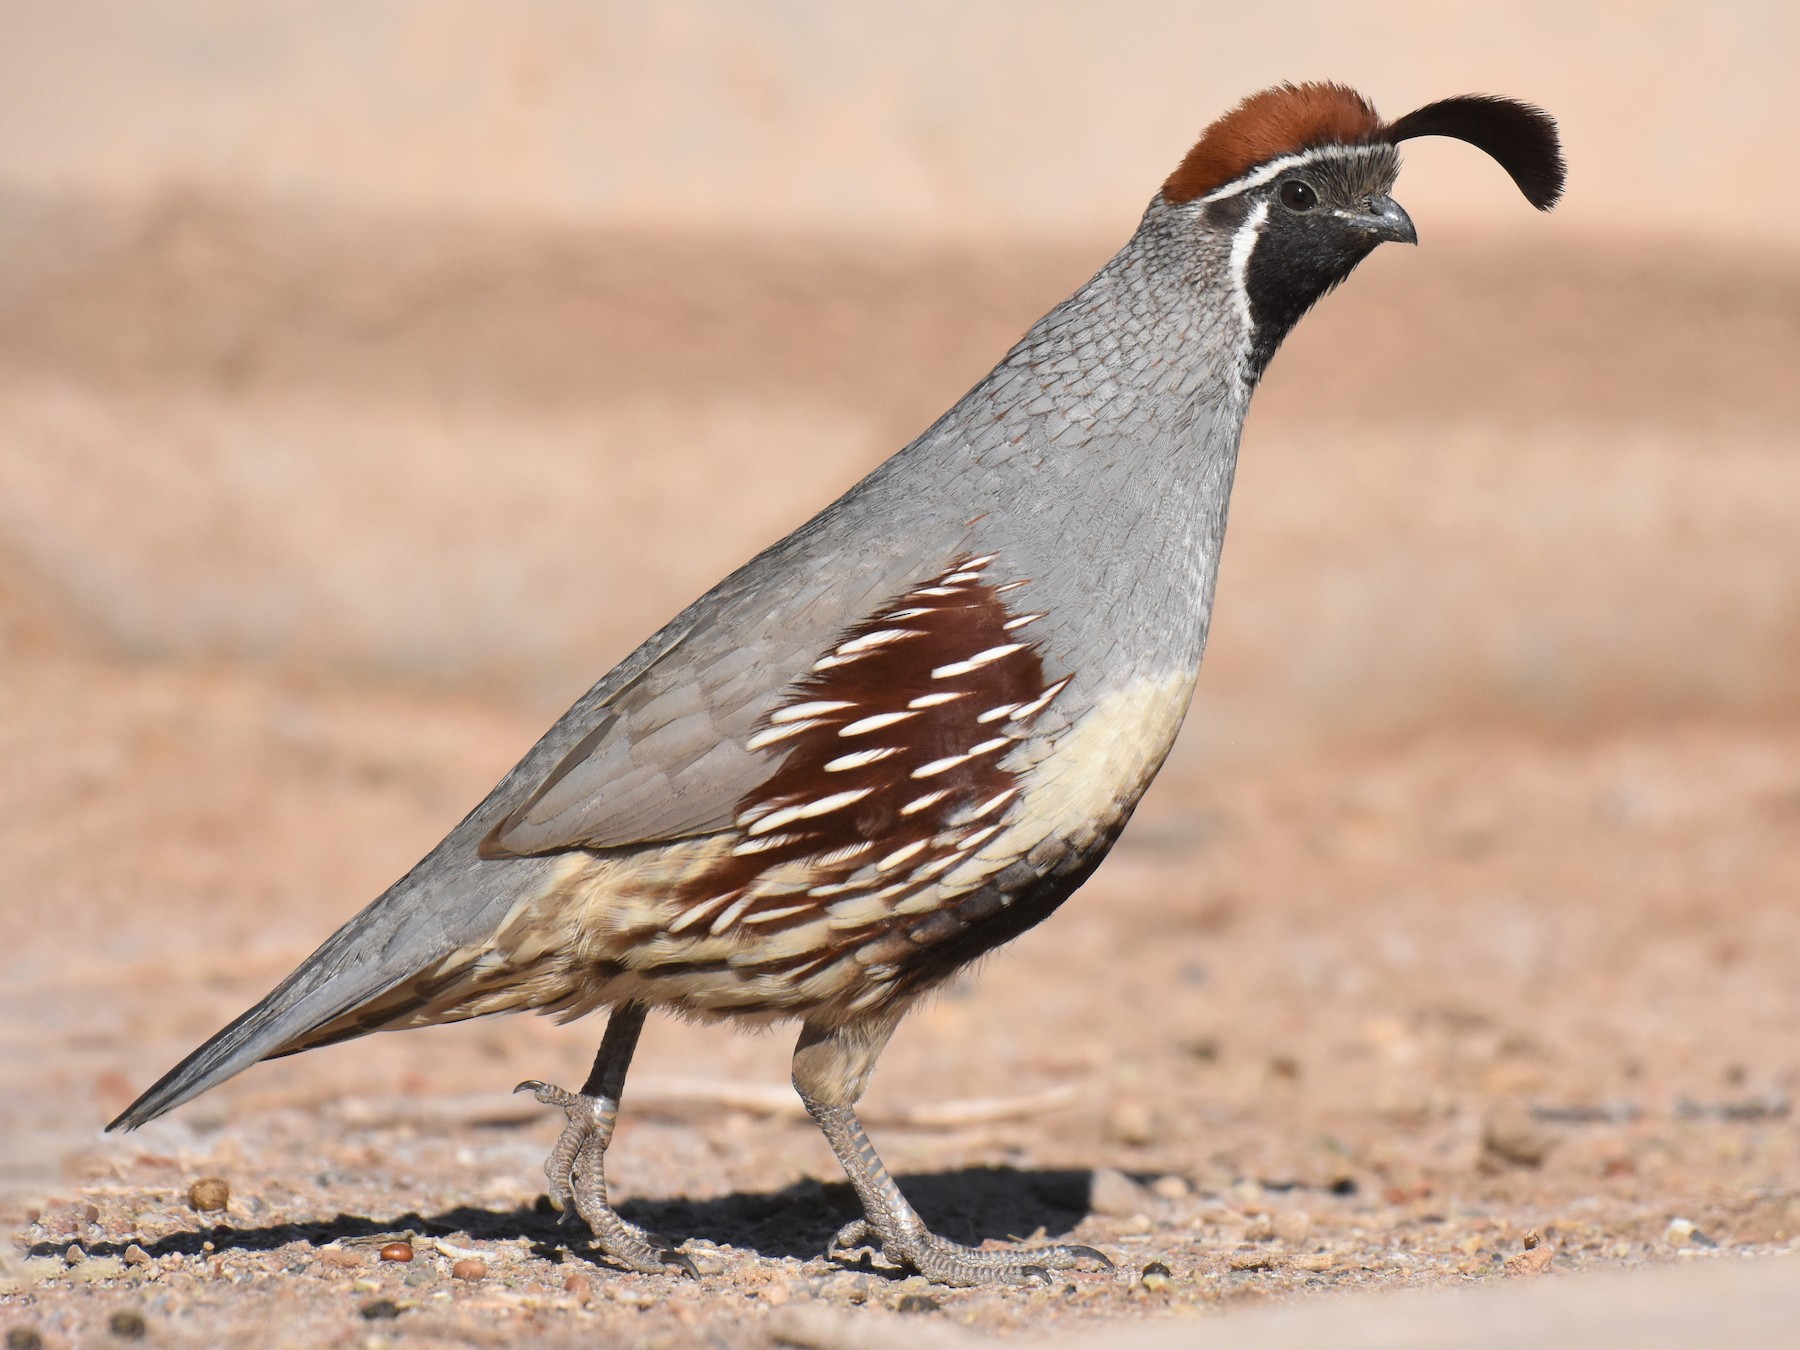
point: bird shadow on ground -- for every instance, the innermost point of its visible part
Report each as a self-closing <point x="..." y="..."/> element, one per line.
<point x="966" y="1205"/>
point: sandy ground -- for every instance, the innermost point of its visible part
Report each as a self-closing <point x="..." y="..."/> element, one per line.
<point x="1456" y="948"/>
<point x="1449" y="1011"/>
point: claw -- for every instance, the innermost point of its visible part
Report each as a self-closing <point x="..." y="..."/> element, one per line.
<point x="681" y="1261"/>
<point x="1090" y="1254"/>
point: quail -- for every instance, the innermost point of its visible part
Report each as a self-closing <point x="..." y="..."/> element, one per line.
<point x="908" y="731"/>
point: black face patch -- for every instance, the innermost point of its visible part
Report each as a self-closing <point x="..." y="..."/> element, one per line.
<point x="1297" y="259"/>
<point x="1314" y="231"/>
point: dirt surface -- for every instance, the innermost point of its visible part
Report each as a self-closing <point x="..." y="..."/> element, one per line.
<point x="1455" y="948"/>
<point x="1464" y="1009"/>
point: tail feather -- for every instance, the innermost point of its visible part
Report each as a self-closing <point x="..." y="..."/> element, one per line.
<point x="424" y="918"/>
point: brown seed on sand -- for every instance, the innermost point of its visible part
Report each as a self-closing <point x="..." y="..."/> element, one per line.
<point x="397" y="1251"/>
<point x="469" y="1269"/>
<point x="209" y="1194"/>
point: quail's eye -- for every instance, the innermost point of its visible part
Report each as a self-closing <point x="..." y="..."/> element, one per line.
<point x="1298" y="196"/>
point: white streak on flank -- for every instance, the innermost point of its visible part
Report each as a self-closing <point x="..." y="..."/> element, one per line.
<point x="995" y="714"/>
<point x="875" y="723"/>
<point x="833" y="661"/>
<point x="900" y="855"/>
<point x="841" y="855"/>
<point x="879" y="638"/>
<point x="762" y="845"/>
<point x="988" y="747"/>
<point x="956" y="577"/>
<point x="977" y="661"/>
<point x="694" y="913"/>
<point x="938" y="590"/>
<point x="977" y="838"/>
<point x="937" y="766"/>
<point x="932" y="700"/>
<point x="1020" y="622"/>
<point x="770" y="915"/>
<point x="992" y="804"/>
<point x="918" y="804"/>
<point x="982" y="561"/>
<point x="770" y="735"/>
<point x="729" y="917"/>
<point x="1276" y="167"/>
<point x="938" y="866"/>
<point x="861" y="759"/>
<point x="807" y="810"/>
<point x="1042" y="701"/>
<point x="1012" y="586"/>
<point x="1242" y="244"/>
<point x="835" y="888"/>
<point x="802" y="710"/>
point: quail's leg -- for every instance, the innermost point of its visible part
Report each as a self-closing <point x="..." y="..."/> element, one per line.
<point x="576" y="1167"/>
<point x="831" y="1068"/>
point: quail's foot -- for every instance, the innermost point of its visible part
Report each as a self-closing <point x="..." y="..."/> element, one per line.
<point x="576" y="1170"/>
<point x="951" y="1263"/>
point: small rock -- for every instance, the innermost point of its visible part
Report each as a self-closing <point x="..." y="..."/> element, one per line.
<point x="74" y="1256"/>
<point x="23" y="1338"/>
<point x="1114" y="1195"/>
<point x="917" y="1303"/>
<point x="1156" y="1278"/>
<point x="1247" y="1261"/>
<point x="127" y="1324"/>
<point x="575" y="1283"/>
<point x="1532" y="1261"/>
<point x="419" y="1275"/>
<point x="209" y="1194"/>
<point x="1683" y="1233"/>
<point x="470" y="1269"/>
<point x="1171" y="1188"/>
<point x="1293" y="1226"/>
<point x="381" y="1310"/>
<point x="136" y="1256"/>
<point x="397" y="1251"/>
<point x="775" y="1294"/>
<point x="1511" y="1138"/>
<point x="1260" y="1228"/>
<point x="1130" y="1122"/>
<point x="90" y="1214"/>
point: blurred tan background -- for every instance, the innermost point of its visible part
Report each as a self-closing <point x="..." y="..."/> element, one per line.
<point x="464" y="343"/>
<point x="373" y="375"/>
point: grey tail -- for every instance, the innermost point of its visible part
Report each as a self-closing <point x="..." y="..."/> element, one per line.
<point x="315" y="994"/>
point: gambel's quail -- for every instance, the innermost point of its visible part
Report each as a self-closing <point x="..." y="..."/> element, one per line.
<point x="908" y="731"/>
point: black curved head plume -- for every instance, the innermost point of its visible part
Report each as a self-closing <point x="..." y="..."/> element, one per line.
<point x="1520" y="138"/>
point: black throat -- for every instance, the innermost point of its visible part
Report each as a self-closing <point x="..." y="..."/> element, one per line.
<point x="1294" y="261"/>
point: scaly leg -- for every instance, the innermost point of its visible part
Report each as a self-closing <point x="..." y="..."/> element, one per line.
<point x="576" y="1167"/>
<point x="831" y="1069"/>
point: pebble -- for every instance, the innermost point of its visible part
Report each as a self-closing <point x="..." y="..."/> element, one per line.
<point x="1130" y="1122"/>
<point x="127" y="1324"/>
<point x="74" y="1256"/>
<point x="1171" y="1188"/>
<point x="1156" y="1278"/>
<point x="1114" y="1195"/>
<point x="1293" y="1226"/>
<point x="470" y="1269"/>
<point x="574" y="1283"/>
<point x="1511" y="1138"/>
<point x="1683" y="1233"/>
<point x="397" y="1251"/>
<point x="23" y="1338"/>
<point x="209" y="1194"/>
<point x="136" y="1256"/>
<point x="381" y="1310"/>
<point x="917" y="1303"/>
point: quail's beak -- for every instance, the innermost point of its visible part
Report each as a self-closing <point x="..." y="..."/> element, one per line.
<point x="1385" y="220"/>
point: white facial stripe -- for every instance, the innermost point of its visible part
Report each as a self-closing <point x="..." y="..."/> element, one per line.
<point x="1276" y="167"/>
<point x="1242" y="243"/>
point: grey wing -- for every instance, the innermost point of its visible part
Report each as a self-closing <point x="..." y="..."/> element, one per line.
<point x="665" y="754"/>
